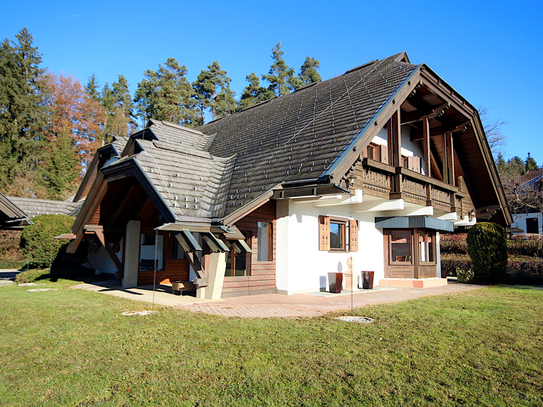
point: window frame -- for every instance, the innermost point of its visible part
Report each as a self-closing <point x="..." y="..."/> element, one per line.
<point x="349" y="234"/>
<point x="269" y="243"/>
<point x="430" y="242"/>
<point x="408" y="258"/>
<point x="232" y="256"/>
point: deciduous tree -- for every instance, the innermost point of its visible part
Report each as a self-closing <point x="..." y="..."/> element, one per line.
<point x="75" y="114"/>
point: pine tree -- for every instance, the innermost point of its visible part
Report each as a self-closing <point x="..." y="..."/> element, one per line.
<point x="281" y="76"/>
<point x="212" y="89"/>
<point x="254" y="93"/>
<point x="92" y="88"/>
<point x="167" y="95"/>
<point x="61" y="166"/>
<point x="309" y="71"/>
<point x="117" y="104"/>
<point x="530" y="164"/>
<point x="516" y="167"/>
<point x="22" y="115"/>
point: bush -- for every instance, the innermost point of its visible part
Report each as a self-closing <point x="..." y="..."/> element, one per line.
<point x="29" y="276"/>
<point x="465" y="275"/>
<point x="37" y="239"/>
<point x="450" y="266"/>
<point x="454" y="243"/>
<point x="487" y="248"/>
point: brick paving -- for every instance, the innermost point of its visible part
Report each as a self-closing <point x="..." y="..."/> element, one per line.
<point x="274" y="305"/>
<point x="314" y="305"/>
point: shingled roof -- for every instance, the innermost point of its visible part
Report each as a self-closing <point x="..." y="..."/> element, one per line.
<point x="210" y="172"/>
<point x="10" y="214"/>
<point x="34" y="207"/>
<point x="299" y="136"/>
<point x="192" y="182"/>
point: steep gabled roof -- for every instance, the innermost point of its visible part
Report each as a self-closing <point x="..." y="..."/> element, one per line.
<point x="300" y="136"/>
<point x="190" y="181"/>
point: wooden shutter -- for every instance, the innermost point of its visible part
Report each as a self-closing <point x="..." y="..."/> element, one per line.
<point x="384" y="154"/>
<point x="353" y="235"/>
<point x="324" y="232"/>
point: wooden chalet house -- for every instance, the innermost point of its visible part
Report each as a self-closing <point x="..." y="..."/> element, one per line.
<point x="372" y="164"/>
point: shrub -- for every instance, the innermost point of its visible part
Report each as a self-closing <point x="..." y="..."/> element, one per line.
<point x="454" y="243"/>
<point x="29" y="276"/>
<point x="450" y="266"/>
<point x="487" y="248"/>
<point x="465" y="275"/>
<point x="37" y="239"/>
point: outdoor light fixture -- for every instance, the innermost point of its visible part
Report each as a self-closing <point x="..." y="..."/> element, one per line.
<point x="471" y="214"/>
<point x="351" y="179"/>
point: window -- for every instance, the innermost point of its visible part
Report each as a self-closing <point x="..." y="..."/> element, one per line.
<point x="148" y="254"/>
<point x="265" y="241"/>
<point x="177" y="251"/>
<point x="238" y="260"/>
<point x="426" y="246"/>
<point x="338" y="234"/>
<point x="400" y="246"/>
<point x="532" y="225"/>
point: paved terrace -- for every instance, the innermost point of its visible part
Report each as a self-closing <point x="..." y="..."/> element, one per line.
<point x="274" y="305"/>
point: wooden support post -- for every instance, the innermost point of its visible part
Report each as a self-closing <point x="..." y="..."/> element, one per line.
<point x="111" y="254"/>
<point x="426" y="146"/>
<point x="395" y="150"/>
<point x="450" y="158"/>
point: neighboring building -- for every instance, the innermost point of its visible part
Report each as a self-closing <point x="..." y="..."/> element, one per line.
<point x="11" y="216"/>
<point x="34" y="207"/>
<point x="528" y="219"/>
<point x="372" y="164"/>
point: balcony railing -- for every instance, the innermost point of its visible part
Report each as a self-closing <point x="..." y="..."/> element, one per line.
<point x="386" y="181"/>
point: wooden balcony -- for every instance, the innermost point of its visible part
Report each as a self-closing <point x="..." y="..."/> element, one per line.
<point x="386" y="181"/>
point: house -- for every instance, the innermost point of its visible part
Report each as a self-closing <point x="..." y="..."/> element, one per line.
<point x="370" y="165"/>
<point x="11" y="216"/>
<point x="526" y="192"/>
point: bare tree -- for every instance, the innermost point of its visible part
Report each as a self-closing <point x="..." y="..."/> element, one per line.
<point x="493" y="131"/>
<point x="524" y="196"/>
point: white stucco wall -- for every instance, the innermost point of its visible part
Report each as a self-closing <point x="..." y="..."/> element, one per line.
<point x="101" y="261"/>
<point x="301" y="266"/>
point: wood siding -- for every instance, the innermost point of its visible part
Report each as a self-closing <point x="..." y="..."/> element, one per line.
<point x="261" y="278"/>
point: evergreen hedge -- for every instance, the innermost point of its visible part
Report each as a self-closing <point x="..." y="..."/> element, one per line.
<point x="487" y="248"/>
<point x="37" y="240"/>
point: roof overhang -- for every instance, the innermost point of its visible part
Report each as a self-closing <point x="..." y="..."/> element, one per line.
<point x="411" y="222"/>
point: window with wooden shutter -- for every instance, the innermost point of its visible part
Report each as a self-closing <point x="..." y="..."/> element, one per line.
<point x="324" y="232"/>
<point x="333" y="234"/>
<point x="353" y="235"/>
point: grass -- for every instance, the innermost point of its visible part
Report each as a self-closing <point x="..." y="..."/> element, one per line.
<point x="74" y="348"/>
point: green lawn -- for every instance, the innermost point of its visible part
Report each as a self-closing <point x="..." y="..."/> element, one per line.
<point x="74" y="348"/>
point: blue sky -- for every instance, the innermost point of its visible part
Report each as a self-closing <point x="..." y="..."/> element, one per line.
<point x="489" y="52"/>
